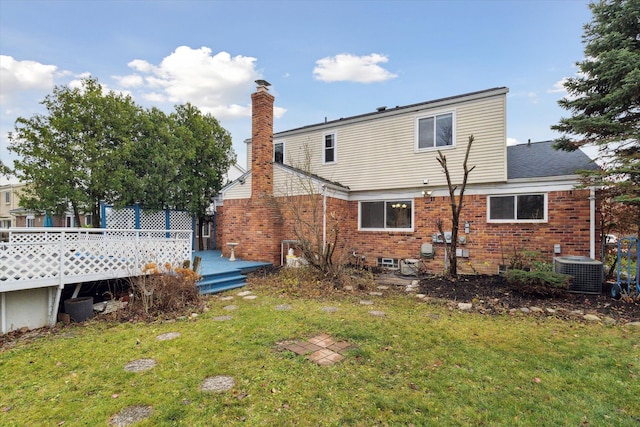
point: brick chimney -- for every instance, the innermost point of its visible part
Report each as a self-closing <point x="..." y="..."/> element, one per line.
<point x="262" y="140"/>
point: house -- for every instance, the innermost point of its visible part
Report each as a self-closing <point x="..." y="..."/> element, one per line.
<point x="378" y="177"/>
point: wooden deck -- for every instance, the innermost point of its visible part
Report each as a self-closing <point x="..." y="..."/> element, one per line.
<point x="219" y="274"/>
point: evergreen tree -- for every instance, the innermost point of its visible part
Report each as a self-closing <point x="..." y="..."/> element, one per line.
<point x="604" y="99"/>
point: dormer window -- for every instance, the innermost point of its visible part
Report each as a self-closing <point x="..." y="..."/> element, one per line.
<point x="434" y="131"/>
<point x="330" y="145"/>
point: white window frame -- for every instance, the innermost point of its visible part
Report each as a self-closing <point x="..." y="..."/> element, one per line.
<point x="206" y="229"/>
<point x="335" y="148"/>
<point x="384" y="220"/>
<point x="435" y="116"/>
<point x="69" y="221"/>
<point x="7" y="197"/>
<point x="283" y="150"/>
<point x="515" y="208"/>
<point x="30" y="222"/>
<point x="88" y="223"/>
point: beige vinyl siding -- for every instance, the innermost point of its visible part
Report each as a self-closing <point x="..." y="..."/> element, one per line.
<point x="239" y="191"/>
<point x="379" y="152"/>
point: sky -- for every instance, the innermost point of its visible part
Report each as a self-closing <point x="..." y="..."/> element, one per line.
<point x="324" y="59"/>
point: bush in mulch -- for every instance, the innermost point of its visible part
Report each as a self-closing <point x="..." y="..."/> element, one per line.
<point x="538" y="282"/>
<point x="163" y="291"/>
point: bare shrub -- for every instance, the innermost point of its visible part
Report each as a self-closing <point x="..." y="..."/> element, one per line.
<point x="163" y="290"/>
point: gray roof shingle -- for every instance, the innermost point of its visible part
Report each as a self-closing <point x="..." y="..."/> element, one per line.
<point x="539" y="159"/>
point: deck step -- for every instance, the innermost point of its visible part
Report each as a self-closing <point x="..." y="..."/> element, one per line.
<point x="212" y="283"/>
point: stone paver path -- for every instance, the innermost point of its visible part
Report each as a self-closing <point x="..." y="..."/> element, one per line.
<point x="168" y="336"/>
<point x="330" y="309"/>
<point x="230" y="307"/>
<point x="283" y="307"/>
<point x="130" y="415"/>
<point x="222" y="318"/>
<point x="218" y="384"/>
<point x="140" y="365"/>
<point x="321" y="349"/>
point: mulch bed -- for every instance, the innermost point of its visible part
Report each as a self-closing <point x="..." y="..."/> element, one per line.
<point x="492" y="295"/>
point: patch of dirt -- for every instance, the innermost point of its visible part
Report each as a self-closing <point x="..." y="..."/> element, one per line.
<point x="493" y="295"/>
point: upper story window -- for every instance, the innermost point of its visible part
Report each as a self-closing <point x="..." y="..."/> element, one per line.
<point x="435" y="131"/>
<point x="518" y="208"/>
<point x="278" y="152"/>
<point x="386" y="215"/>
<point x="7" y="197"/>
<point x="329" y="148"/>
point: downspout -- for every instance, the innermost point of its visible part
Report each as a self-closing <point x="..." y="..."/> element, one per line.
<point x="324" y="218"/>
<point x="592" y="223"/>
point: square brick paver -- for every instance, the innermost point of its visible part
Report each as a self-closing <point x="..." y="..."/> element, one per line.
<point x="321" y="349"/>
<point x="325" y="357"/>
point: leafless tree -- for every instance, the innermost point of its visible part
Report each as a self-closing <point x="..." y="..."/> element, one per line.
<point x="456" y="207"/>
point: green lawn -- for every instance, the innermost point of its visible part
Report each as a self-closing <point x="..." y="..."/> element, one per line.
<point x="421" y="364"/>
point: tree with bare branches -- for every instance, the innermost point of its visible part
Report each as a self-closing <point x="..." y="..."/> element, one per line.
<point x="456" y="207"/>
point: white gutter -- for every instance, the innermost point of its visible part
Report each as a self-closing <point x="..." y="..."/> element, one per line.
<point x="592" y="223"/>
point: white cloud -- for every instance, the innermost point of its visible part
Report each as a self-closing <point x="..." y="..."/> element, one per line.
<point x="18" y="76"/>
<point x="558" y="87"/>
<point x="347" y="67"/>
<point x="218" y="84"/>
<point x="132" y="80"/>
<point x="512" y="141"/>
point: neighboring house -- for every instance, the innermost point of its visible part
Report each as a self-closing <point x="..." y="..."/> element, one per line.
<point x="9" y="199"/>
<point x="380" y="175"/>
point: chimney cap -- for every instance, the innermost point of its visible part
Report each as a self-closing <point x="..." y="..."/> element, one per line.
<point x="263" y="83"/>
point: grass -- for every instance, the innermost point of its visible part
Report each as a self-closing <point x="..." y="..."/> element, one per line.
<point x="422" y="364"/>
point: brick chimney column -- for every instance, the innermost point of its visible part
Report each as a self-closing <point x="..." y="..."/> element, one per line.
<point x="262" y="141"/>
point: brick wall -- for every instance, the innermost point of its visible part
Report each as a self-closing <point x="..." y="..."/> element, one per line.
<point x="487" y="243"/>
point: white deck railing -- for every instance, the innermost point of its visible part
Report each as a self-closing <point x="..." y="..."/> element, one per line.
<point x="41" y="257"/>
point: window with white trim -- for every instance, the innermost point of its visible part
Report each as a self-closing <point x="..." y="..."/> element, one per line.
<point x="31" y="221"/>
<point x="278" y="152"/>
<point x="7" y="197"/>
<point x="386" y="215"/>
<point x="435" y="131"/>
<point x="329" y="148"/>
<point x="88" y="220"/>
<point x="517" y="208"/>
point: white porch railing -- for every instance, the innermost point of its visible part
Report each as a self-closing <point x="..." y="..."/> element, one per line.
<point x="42" y="257"/>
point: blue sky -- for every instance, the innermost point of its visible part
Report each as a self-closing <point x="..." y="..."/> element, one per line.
<point x="323" y="58"/>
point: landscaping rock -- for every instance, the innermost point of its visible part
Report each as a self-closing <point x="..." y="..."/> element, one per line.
<point x="230" y="307"/>
<point x="366" y="302"/>
<point x="222" y="318"/>
<point x="550" y="310"/>
<point x="465" y="306"/>
<point x="378" y="313"/>
<point x="535" y="309"/>
<point x="375" y="294"/>
<point x="525" y="310"/>
<point x="591" y="318"/>
<point x="243" y="293"/>
<point x="283" y="307"/>
<point x="609" y="321"/>
<point x="633" y="324"/>
<point x="250" y="297"/>
<point x="227" y="298"/>
<point x="330" y="309"/>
